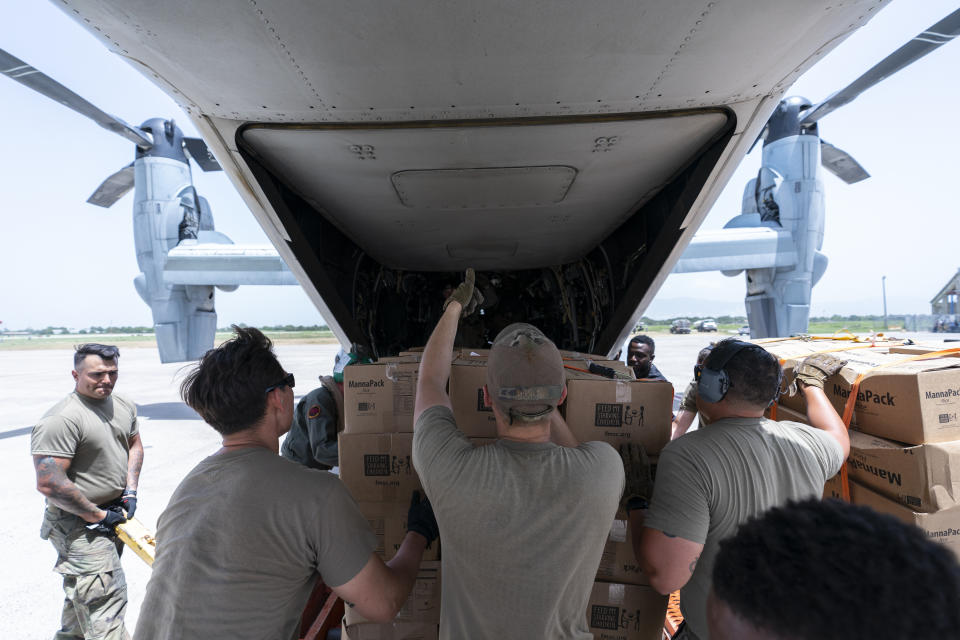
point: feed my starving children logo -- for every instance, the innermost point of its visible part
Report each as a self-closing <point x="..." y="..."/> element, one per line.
<point x="612" y="414"/>
<point x="383" y="464"/>
<point x="604" y="616"/>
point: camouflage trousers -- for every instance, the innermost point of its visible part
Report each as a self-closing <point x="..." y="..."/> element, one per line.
<point x="94" y="587"/>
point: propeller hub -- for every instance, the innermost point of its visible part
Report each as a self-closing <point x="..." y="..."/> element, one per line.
<point x="785" y="120"/>
<point x="167" y="140"/>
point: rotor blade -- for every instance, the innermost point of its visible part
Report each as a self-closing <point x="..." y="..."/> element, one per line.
<point x="200" y="153"/>
<point x="841" y="164"/>
<point x="113" y="188"/>
<point x="16" y="69"/>
<point x="925" y="42"/>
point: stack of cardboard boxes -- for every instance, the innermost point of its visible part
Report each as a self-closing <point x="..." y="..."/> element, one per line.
<point x="905" y="431"/>
<point x="622" y="604"/>
<point x="376" y="467"/>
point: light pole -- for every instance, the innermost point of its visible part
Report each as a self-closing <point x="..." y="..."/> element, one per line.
<point x="883" y="284"/>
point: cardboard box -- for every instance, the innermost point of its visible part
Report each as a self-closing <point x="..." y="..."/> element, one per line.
<point x="379" y="397"/>
<point x="423" y="605"/>
<point x="467" y="378"/>
<point x="389" y="521"/>
<point x="626" y="612"/>
<point x="940" y="526"/>
<point x="921" y="349"/>
<point x="390" y="631"/>
<point x="915" y="402"/>
<point x="468" y="375"/>
<point x="833" y="488"/>
<point x="378" y="467"/>
<point x="923" y="477"/>
<point x="618" y="411"/>
<point x="618" y="562"/>
<point x="792" y="350"/>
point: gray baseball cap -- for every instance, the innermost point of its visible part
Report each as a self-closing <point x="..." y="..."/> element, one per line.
<point x="524" y="373"/>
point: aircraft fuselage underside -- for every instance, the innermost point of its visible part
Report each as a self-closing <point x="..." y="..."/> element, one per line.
<point x="566" y="220"/>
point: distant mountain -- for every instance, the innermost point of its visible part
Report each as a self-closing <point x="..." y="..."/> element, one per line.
<point x="663" y="308"/>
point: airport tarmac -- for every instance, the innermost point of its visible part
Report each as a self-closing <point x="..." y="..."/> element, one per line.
<point x="175" y="439"/>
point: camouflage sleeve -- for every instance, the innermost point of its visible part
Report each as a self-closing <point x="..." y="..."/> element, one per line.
<point x="319" y="412"/>
<point x="689" y="402"/>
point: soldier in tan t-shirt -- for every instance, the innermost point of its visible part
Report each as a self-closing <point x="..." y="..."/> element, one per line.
<point x="523" y="520"/>
<point x="87" y="454"/>
<point x="247" y="533"/>
<point x="711" y="480"/>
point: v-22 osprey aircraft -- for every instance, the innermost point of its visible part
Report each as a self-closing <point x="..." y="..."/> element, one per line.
<point x="568" y="154"/>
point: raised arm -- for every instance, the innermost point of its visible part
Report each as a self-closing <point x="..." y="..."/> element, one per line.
<point x="435" y="362"/>
<point x="822" y="415"/>
<point x="810" y="375"/>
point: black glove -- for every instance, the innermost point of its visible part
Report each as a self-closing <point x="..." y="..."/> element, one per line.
<point x="129" y="501"/>
<point x="110" y="521"/>
<point x="639" y="480"/>
<point x="420" y="518"/>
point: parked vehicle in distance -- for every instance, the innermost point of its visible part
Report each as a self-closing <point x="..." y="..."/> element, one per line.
<point x="706" y="325"/>
<point x="680" y="325"/>
<point x="640" y="327"/>
<point x="744" y="330"/>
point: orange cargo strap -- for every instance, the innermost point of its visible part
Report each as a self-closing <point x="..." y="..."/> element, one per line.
<point x="855" y="390"/>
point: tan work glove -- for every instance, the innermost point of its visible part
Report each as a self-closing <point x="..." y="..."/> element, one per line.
<point x="639" y="480"/>
<point x="813" y="370"/>
<point x="467" y="295"/>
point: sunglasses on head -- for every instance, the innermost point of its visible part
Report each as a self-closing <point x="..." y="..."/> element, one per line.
<point x="288" y="381"/>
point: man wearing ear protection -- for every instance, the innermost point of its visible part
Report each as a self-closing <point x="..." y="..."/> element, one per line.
<point x="312" y="439"/>
<point x="713" y="479"/>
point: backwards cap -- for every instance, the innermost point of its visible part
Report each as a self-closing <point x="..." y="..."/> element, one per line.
<point x="524" y="373"/>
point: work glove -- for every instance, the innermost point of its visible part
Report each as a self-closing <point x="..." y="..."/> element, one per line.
<point x="129" y="501"/>
<point x="467" y="295"/>
<point x="109" y="523"/>
<point x="813" y="370"/>
<point x="639" y="479"/>
<point x="420" y="518"/>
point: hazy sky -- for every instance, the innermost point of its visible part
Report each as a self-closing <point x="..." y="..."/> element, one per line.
<point x="64" y="262"/>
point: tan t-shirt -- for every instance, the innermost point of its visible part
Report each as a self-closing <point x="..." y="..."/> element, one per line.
<point x="522" y="528"/>
<point x="241" y="544"/>
<point x="713" y="479"/>
<point x="96" y="435"/>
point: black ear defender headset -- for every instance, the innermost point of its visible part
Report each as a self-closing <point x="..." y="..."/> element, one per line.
<point x="713" y="383"/>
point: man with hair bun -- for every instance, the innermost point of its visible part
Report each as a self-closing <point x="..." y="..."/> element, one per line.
<point x="818" y="570"/>
<point x="87" y="455"/>
<point x="247" y="533"/>
<point x="523" y="520"/>
<point x="713" y="479"/>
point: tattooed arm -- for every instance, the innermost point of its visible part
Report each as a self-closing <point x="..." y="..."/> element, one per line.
<point x="52" y="481"/>
<point x="134" y="462"/>
<point x="669" y="561"/>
